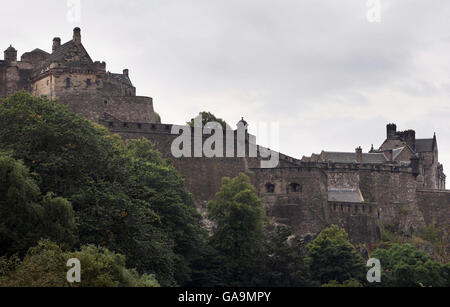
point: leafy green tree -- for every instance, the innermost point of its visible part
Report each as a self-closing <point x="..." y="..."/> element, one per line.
<point x="45" y="266"/>
<point x="284" y="264"/>
<point x="238" y="235"/>
<point x="26" y="216"/>
<point x="208" y="117"/>
<point x="125" y="197"/>
<point x="406" y="266"/>
<point x="331" y="257"/>
<point x="156" y="181"/>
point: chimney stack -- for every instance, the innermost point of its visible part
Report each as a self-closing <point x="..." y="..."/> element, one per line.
<point x="126" y="72"/>
<point x="77" y="36"/>
<point x="56" y="44"/>
<point x="358" y="152"/>
<point x="391" y="131"/>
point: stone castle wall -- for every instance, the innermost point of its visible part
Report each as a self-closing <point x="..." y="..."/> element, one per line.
<point x="389" y="191"/>
<point x="434" y="206"/>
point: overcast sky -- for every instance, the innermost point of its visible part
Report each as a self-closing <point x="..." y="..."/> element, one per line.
<point x="331" y="78"/>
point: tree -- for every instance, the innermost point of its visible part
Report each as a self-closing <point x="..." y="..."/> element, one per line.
<point x="25" y="215"/>
<point x="45" y="266"/>
<point x="406" y="266"/>
<point x="208" y="117"/>
<point x="238" y="235"/>
<point x="284" y="259"/>
<point x="331" y="257"/>
<point x="125" y="197"/>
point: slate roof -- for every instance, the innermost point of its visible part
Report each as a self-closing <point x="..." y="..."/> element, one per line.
<point x="350" y="157"/>
<point x="60" y="54"/>
<point x="424" y="145"/>
<point x="37" y="50"/>
<point x="345" y="196"/>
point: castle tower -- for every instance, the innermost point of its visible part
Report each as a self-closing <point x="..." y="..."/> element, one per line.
<point x="10" y="54"/>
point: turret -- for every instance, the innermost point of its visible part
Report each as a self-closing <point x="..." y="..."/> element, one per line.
<point x="77" y="36"/>
<point x="56" y="44"/>
<point x="10" y="54"/>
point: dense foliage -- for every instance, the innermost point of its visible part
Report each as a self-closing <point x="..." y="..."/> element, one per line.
<point x="26" y="215"/>
<point x="406" y="266"/>
<point x="125" y="196"/>
<point x="332" y="257"/>
<point x="45" y="266"/>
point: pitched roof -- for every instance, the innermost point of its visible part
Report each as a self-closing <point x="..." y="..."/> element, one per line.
<point x="350" y="157"/>
<point x="424" y="145"/>
<point x="37" y="50"/>
<point x="345" y="195"/>
<point x="61" y="53"/>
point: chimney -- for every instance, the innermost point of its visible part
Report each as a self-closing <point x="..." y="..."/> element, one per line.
<point x="126" y="72"/>
<point x="391" y="131"/>
<point x="358" y="152"/>
<point x="56" y="44"/>
<point x="77" y="36"/>
<point x="410" y="139"/>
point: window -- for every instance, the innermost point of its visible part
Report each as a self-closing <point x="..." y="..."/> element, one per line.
<point x="125" y="125"/>
<point x="67" y="82"/>
<point x="270" y="188"/>
<point x="295" y="187"/>
<point x="111" y="124"/>
<point x="88" y="82"/>
<point x="139" y="126"/>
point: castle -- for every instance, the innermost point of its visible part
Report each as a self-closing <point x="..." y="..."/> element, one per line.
<point x="401" y="182"/>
